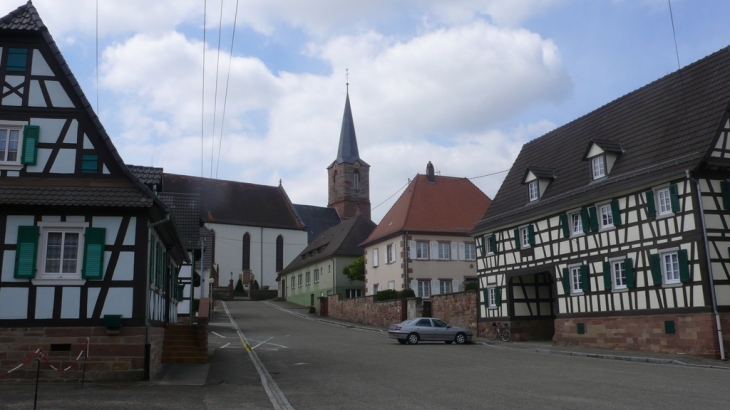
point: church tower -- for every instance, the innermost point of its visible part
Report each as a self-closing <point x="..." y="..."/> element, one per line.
<point x="348" y="175"/>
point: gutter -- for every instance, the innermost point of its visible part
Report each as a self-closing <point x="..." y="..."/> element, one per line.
<point x="334" y="275"/>
<point x="406" y="254"/>
<point x="709" y="265"/>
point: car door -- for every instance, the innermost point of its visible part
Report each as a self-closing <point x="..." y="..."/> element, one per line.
<point x="441" y="330"/>
<point x="424" y="329"/>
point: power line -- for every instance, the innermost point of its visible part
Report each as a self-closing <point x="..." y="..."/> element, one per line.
<point x="202" y="105"/>
<point x="225" y="99"/>
<point x="215" y="98"/>
<point x="98" y="111"/>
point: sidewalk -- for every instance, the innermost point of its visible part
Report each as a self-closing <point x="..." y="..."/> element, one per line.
<point x="546" y="346"/>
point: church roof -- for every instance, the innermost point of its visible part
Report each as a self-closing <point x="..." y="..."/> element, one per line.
<point x="347" y="150"/>
<point x="316" y="219"/>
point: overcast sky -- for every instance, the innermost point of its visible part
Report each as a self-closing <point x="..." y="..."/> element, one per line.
<point x="461" y="83"/>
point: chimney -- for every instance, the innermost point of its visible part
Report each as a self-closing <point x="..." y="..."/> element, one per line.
<point x="429" y="172"/>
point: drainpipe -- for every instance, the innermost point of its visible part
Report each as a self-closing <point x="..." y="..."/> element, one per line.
<point x="709" y="265"/>
<point x="334" y="276"/>
<point x="147" y="343"/>
<point x="406" y="253"/>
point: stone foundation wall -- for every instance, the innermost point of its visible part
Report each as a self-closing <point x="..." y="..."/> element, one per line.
<point x="111" y="357"/>
<point x="365" y="310"/>
<point x="457" y="309"/>
<point x="696" y="333"/>
<point x="522" y="330"/>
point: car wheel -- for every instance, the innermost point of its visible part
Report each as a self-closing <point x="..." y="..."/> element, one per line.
<point x="401" y="341"/>
<point x="413" y="338"/>
<point x="460" y="338"/>
<point x="448" y="342"/>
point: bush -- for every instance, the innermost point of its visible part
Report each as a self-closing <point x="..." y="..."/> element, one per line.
<point x="239" y="286"/>
<point x="472" y="286"/>
<point x="391" y="294"/>
<point x="407" y="293"/>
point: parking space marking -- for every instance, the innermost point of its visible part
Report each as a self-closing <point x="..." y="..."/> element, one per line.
<point x="224" y="346"/>
<point x="268" y="343"/>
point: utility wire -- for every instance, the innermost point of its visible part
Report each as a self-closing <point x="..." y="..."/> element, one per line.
<point x="97" y="60"/>
<point x="215" y="98"/>
<point x="202" y="104"/>
<point x="225" y="100"/>
<point x="676" y="51"/>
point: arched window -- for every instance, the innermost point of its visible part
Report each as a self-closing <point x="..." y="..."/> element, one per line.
<point x="246" y="262"/>
<point x="279" y="253"/>
<point x="334" y="181"/>
<point x="357" y="181"/>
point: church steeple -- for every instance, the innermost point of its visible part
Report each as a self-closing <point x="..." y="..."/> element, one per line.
<point x="349" y="175"/>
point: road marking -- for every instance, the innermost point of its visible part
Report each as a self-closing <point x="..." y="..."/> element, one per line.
<point x="262" y="342"/>
<point x="224" y="346"/>
<point x="269" y="343"/>
<point x="218" y="335"/>
<point x="277" y="397"/>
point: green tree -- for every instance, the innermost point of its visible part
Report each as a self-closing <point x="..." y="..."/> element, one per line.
<point x="355" y="270"/>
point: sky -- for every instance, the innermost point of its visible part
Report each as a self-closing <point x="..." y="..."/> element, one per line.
<point x="258" y="95"/>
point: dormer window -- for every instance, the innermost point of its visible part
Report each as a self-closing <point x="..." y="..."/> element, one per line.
<point x="602" y="155"/>
<point x="537" y="181"/>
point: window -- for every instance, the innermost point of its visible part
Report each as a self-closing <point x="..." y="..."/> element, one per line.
<point x="576" y="282"/>
<point x="670" y="267"/>
<point x="618" y="273"/>
<point x="316" y="276"/>
<point x="533" y="191"/>
<point x="353" y="293"/>
<point x="665" y="204"/>
<point x="89" y="164"/>
<point x="605" y="216"/>
<point x="525" y="237"/>
<point x="424" y="323"/>
<point x="292" y="282"/>
<point x="391" y="285"/>
<point x="421" y="250"/>
<point x="424" y="289"/>
<point x="279" y="253"/>
<point x="391" y="253"/>
<point x="375" y="258"/>
<point x="576" y="224"/>
<point x="9" y="145"/>
<point x="246" y="252"/>
<point x="299" y="280"/>
<point x="444" y="249"/>
<point x="491" y="297"/>
<point x="357" y="181"/>
<point x="62" y="253"/>
<point x="17" y="59"/>
<point x="664" y="198"/>
<point x="306" y="278"/>
<point x="376" y="288"/>
<point x="334" y="181"/>
<point x="598" y="167"/>
<point x="445" y="286"/>
<point x="470" y="252"/>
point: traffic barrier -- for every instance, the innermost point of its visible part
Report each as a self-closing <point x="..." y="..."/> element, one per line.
<point x="41" y="355"/>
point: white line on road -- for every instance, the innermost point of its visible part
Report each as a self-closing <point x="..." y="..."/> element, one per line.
<point x="262" y="342"/>
<point x="268" y="343"/>
<point x="277" y="397"/>
<point x="218" y="335"/>
<point x="224" y="346"/>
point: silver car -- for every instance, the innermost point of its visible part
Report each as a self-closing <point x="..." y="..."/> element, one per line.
<point x="428" y="330"/>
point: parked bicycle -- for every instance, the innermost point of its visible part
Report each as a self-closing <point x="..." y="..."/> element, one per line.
<point x="498" y="330"/>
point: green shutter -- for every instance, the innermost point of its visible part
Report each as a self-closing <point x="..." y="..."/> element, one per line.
<point x="31" y="133"/>
<point x="650" y="207"/>
<point x="180" y="290"/>
<point x="684" y="275"/>
<point x="26" y="252"/>
<point x="629" y="270"/>
<point x="481" y="245"/>
<point x="517" y="238"/>
<point x="669" y="327"/>
<point x="89" y="164"/>
<point x="674" y="197"/>
<point x="607" y="280"/>
<point x="616" y="212"/>
<point x="498" y="296"/>
<point x="586" y="283"/>
<point x="656" y="269"/>
<point x="17" y="59"/>
<point x="151" y="258"/>
<point x="493" y="242"/>
<point x="531" y="234"/>
<point x="94" y="240"/>
<point x="585" y="222"/>
<point x="485" y="297"/>
<point x="593" y="218"/>
<point x="565" y="224"/>
<point x="725" y="188"/>
<point x="158" y="265"/>
<point x="566" y="281"/>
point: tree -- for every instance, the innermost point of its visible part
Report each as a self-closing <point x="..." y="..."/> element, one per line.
<point x="355" y="270"/>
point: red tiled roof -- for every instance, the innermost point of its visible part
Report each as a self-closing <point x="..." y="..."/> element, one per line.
<point x="449" y="206"/>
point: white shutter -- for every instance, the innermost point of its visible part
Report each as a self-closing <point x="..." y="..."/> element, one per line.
<point x="375" y="257"/>
<point x="453" y="252"/>
<point x="462" y="251"/>
<point x="414" y="286"/>
<point x="455" y="285"/>
<point x="435" y="287"/>
<point x="434" y="250"/>
<point x="412" y="249"/>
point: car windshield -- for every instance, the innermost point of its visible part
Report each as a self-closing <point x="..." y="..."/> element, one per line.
<point x="439" y="323"/>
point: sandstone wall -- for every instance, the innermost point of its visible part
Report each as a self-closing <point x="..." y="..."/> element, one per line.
<point x="457" y="309"/>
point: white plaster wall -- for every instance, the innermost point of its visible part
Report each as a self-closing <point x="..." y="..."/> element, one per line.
<point x="229" y="251"/>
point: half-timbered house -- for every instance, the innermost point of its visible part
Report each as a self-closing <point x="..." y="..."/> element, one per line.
<point x="613" y="230"/>
<point x="86" y="249"/>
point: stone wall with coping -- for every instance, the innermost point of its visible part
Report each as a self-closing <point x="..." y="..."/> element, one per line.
<point x="365" y="310"/>
<point x="696" y="333"/>
<point x="457" y="309"/>
<point x="111" y="357"/>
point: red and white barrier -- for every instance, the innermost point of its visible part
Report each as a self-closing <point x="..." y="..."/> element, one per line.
<point x="41" y="355"/>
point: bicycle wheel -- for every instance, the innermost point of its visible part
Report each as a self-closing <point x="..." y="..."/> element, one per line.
<point x="492" y="333"/>
<point x="506" y="335"/>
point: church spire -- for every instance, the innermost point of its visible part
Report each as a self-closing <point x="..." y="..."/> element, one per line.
<point x="347" y="151"/>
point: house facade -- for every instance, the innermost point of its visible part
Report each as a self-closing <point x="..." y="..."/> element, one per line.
<point x="423" y="241"/>
<point x="317" y="270"/>
<point x="613" y="230"/>
<point x="87" y="251"/>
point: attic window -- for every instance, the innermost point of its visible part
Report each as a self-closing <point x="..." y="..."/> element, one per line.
<point x="17" y="59"/>
<point x="602" y="155"/>
<point x="598" y="165"/>
<point x="537" y="180"/>
<point x="532" y="189"/>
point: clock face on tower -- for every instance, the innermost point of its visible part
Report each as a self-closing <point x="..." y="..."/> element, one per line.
<point x="357" y="164"/>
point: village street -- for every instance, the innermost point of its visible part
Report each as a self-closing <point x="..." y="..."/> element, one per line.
<point x="312" y="364"/>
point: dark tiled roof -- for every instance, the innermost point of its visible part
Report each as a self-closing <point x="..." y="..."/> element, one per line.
<point x="547" y="173"/>
<point x="340" y="240"/>
<point x="74" y="196"/>
<point x="664" y="128"/>
<point x="449" y="206"/>
<point x="186" y="211"/>
<point x="317" y="219"/>
<point x="237" y="203"/>
<point x="23" y="18"/>
<point x="609" y="145"/>
<point x="147" y="175"/>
